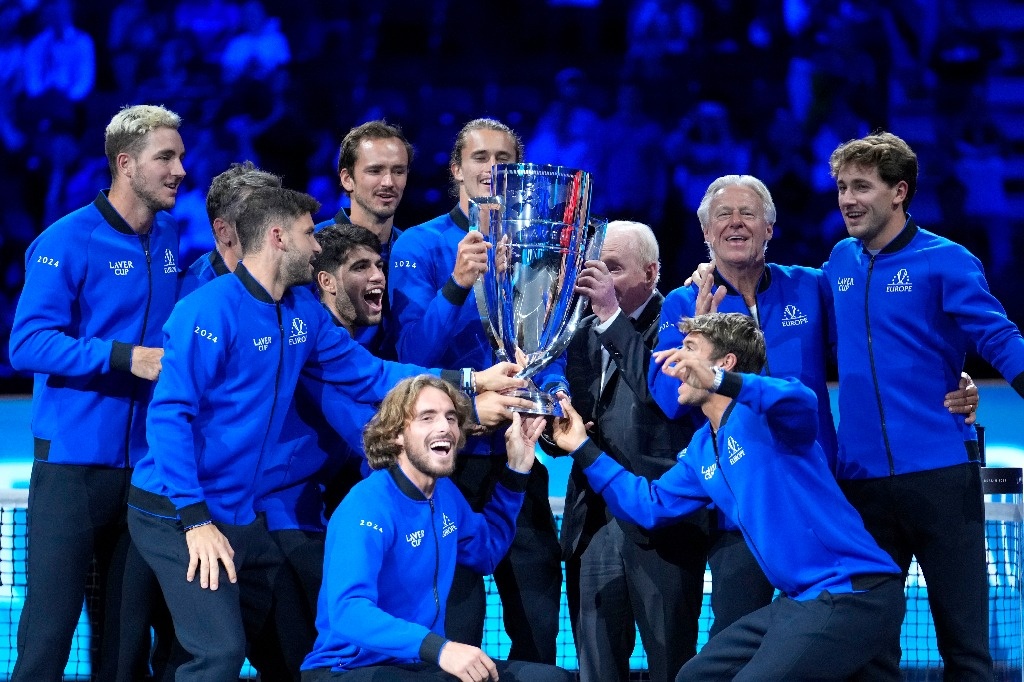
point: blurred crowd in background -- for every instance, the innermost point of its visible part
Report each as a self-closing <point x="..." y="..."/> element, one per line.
<point x="655" y="97"/>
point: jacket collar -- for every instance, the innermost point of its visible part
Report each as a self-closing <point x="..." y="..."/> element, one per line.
<point x="459" y="218"/>
<point x="762" y="284"/>
<point x="110" y="214"/>
<point x="254" y="288"/>
<point x="407" y="487"/>
<point x="217" y="262"/>
<point x="909" y="231"/>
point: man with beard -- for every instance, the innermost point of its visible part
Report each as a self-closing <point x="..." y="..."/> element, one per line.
<point x="393" y="545"/>
<point x="99" y="284"/>
<point x="373" y="167"/>
<point x="235" y="348"/>
<point x="433" y="268"/>
<point x="223" y="203"/>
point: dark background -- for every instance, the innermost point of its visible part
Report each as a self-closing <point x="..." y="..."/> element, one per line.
<point x="655" y="97"/>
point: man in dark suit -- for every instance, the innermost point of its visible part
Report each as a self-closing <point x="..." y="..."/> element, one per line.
<point x="620" y="577"/>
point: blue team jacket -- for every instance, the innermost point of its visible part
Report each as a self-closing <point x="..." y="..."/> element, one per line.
<point x="905" y="319"/>
<point x="389" y="562"/>
<point x="93" y="289"/>
<point x="232" y="359"/>
<point x="438" y="321"/>
<point x="765" y="472"/>
<point x="793" y="312"/>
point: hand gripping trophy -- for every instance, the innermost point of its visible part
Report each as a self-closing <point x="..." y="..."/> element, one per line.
<point x="541" y="232"/>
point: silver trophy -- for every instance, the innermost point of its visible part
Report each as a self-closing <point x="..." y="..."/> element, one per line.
<point x="541" y="232"/>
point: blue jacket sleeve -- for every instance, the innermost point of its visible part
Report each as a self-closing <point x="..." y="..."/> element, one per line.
<point x="633" y="498"/>
<point x="484" y="538"/>
<point x="340" y="360"/>
<point x="425" y="300"/>
<point x="966" y="296"/>
<point x="790" y="407"/>
<point x="55" y="269"/>
<point x="190" y="367"/>
<point x="353" y="555"/>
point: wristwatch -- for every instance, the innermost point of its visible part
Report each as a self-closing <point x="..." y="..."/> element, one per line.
<point x="719" y="376"/>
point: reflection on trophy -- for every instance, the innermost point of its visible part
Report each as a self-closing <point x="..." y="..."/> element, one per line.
<point x="541" y="232"/>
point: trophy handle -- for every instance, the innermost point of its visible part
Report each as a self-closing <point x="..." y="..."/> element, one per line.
<point x="480" y="212"/>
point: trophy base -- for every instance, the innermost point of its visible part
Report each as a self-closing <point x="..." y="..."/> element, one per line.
<point x="544" y="404"/>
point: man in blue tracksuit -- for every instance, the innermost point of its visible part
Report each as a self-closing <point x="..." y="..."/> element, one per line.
<point x="908" y="306"/>
<point x="790" y="306"/>
<point x="433" y="268"/>
<point x="234" y="351"/>
<point x="393" y="544"/>
<point x="373" y="169"/>
<point x="223" y="202"/>
<point x="758" y="460"/>
<point x="320" y="452"/>
<point x="99" y="283"/>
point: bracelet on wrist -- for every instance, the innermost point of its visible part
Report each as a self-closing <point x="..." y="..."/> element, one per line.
<point x="719" y="377"/>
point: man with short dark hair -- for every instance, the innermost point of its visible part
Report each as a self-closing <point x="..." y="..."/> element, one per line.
<point x="433" y="268"/>
<point x="373" y="168"/>
<point x="393" y="545"/>
<point x="352" y="280"/>
<point x="99" y="283"/>
<point x="758" y="461"/>
<point x="223" y="203"/>
<point x="235" y="349"/>
<point x="908" y="306"/>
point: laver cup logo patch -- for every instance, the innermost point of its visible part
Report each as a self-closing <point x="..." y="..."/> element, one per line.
<point x="735" y="450"/>
<point x="121" y="267"/>
<point x="298" y="332"/>
<point x="791" y="316"/>
<point x="900" y="282"/>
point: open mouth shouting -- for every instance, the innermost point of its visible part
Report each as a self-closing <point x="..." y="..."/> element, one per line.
<point x="374" y="299"/>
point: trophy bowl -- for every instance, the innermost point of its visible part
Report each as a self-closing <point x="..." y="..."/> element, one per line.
<point x="541" y="233"/>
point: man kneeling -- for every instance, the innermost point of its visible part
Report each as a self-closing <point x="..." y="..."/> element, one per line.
<point x="757" y="460"/>
<point x="393" y="543"/>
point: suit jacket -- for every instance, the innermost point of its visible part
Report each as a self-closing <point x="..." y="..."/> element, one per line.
<point x="628" y="424"/>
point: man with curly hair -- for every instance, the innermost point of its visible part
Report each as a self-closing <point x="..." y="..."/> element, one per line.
<point x="394" y="542"/>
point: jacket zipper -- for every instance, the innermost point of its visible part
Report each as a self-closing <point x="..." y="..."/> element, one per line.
<point x="874" y="371"/>
<point x="437" y="565"/>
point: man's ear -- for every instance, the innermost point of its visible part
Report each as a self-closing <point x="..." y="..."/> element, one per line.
<point x="327" y="282"/>
<point x="347" y="183"/>
<point x="275" y="237"/>
<point x="125" y="164"/>
<point x="456" y="169"/>
<point x="651" y="275"/>
<point x="223" y="231"/>
<point x="729" y="362"/>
